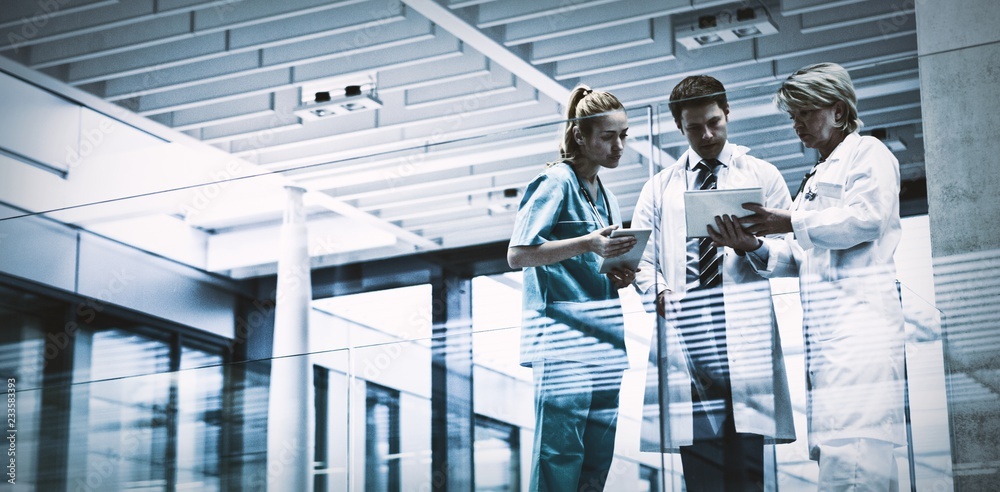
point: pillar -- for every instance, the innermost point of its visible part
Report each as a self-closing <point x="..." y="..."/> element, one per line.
<point x="959" y="48"/>
<point x="452" y="413"/>
<point x="290" y="439"/>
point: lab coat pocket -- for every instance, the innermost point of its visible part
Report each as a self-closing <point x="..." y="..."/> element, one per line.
<point x="824" y="194"/>
<point x="830" y="190"/>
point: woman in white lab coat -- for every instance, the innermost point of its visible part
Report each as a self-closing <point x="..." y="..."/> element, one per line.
<point x="842" y="231"/>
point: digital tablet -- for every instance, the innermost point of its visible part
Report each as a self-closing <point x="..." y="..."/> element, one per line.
<point x="702" y="206"/>
<point x="631" y="258"/>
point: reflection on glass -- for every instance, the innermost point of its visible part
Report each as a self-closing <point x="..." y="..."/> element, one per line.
<point x="497" y="456"/>
<point x="142" y="426"/>
<point x="125" y="432"/>
<point x="21" y="363"/>
<point x="381" y="439"/>
<point x="332" y="436"/>
<point x="496" y="323"/>
<point x="321" y="383"/>
<point x="409" y="318"/>
<point x="199" y="420"/>
<point x="649" y="479"/>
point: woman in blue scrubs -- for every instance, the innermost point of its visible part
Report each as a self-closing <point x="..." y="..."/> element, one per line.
<point x="572" y="333"/>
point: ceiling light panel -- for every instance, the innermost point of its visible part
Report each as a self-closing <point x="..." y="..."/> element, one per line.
<point x="722" y="27"/>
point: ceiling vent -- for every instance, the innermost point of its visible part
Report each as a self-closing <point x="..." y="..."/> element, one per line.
<point x="502" y="202"/>
<point x="889" y="137"/>
<point x="724" y="27"/>
<point x="325" y="104"/>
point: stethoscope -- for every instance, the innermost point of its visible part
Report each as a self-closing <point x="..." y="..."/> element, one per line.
<point x="810" y="192"/>
<point x="593" y="206"/>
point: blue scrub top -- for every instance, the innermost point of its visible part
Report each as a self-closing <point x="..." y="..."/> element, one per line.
<point x="553" y="208"/>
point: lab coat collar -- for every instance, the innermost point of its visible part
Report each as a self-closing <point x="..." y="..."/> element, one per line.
<point x="730" y="152"/>
<point x="842" y="150"/>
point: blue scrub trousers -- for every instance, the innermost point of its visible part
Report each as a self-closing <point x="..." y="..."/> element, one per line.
<point x="576" y="417"/>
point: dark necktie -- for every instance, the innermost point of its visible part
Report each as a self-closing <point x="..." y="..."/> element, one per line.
<point x="709" y="261"/>
<point x="702" y="322"/>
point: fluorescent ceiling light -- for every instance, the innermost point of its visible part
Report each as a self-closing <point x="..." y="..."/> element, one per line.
<point x="724" y="27"/>
<point x="324" y="106"/>
<point x="890" y="138"/>
<point x="503" y="202"/>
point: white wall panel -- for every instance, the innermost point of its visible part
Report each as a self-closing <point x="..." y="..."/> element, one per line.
<point x="37" y="124"/>
<point x="121" y="275"/>
<point x="37" y="249"/>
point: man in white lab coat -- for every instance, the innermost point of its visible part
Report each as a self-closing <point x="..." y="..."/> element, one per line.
<point x="841" y="233"/>
<point x="719" y="386"/>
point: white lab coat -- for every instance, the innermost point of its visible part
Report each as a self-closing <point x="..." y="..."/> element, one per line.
<point x="846" y="229"/>
<point x="759" y="385"/>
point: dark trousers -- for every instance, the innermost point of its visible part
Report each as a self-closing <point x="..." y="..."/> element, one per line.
<point x="723" y="460"/>
<point x="720" y="459"/>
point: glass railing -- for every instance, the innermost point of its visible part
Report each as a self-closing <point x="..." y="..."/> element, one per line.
<point x="161" y="377"/>
<point x="370" y="403"/>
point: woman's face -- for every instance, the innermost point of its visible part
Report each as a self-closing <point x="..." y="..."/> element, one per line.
<point x="605" y="143"/>
<point x="817" y="128"/>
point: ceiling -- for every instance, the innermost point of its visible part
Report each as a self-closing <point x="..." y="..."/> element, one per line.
<point x="471" y="92"/>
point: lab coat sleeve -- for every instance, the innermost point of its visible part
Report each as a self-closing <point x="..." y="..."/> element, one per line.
<point x="774" y="258"/>
<point x="539" y="211"/>
<point x="647" y="215"/>
<point x="775" y="189"/>
<point x="780" y="263"/>
<point x="864" y="210"/>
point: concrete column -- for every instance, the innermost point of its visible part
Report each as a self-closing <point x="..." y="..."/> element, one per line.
<point x="959" y="48"/>
<point x="452" y="413"/>
<point x="290" y="440"/>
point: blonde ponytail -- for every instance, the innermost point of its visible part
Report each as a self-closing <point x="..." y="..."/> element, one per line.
<point x="583" y="103"/>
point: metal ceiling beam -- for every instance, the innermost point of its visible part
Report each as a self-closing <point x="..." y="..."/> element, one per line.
<point x="496" y="51"/>
<point x="790" y="39"/>
<point x="339" y="207"/>
<point x="469" y="34"/>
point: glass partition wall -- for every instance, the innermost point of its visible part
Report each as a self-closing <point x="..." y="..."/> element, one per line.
<point x="142" y="370"/>
<point x="922" y="453"/>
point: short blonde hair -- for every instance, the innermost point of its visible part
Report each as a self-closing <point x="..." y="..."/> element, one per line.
<point x="817" y="86"/>
<point x="584" y="103"/>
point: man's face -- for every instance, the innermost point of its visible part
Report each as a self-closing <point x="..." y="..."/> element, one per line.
<point x="705" y="129"/>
